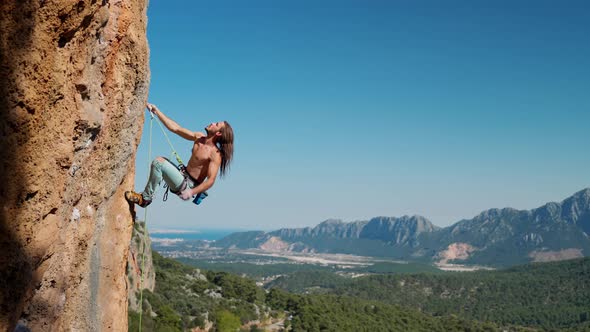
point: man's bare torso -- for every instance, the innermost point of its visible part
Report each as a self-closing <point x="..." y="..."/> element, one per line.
<point x="198" y="164"/>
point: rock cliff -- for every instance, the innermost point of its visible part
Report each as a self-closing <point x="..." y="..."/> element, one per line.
<point x="139" y="248"/>
<point x="74" y="82"/>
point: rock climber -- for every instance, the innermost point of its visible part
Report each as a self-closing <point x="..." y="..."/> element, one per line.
<point x="211" y="155"/>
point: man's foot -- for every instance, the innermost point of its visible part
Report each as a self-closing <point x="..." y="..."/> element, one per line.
<point x="136" y="198"/>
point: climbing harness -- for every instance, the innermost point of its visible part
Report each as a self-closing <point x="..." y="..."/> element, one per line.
<point x="185" y="183"/>
<point x="182" y="186"/>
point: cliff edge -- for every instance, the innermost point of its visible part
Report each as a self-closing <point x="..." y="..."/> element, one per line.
<point x="74" y="82"/>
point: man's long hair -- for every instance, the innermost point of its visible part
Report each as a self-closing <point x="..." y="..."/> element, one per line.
<point x="226" y="146"/>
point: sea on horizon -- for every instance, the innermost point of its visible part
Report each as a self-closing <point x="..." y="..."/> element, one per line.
<point x="205" y="234"/>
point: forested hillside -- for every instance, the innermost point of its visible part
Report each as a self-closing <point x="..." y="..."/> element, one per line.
<point x="545" y="295"/>
<point x="185" y="298"/>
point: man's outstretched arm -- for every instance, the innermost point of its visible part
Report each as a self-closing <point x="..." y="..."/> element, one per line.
<point x="173" y="126"/>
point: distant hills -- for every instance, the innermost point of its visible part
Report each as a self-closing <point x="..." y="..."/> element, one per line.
<point x="496" y="237"/>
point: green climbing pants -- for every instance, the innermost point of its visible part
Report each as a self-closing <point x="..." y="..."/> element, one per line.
<point x="162" y="168"/>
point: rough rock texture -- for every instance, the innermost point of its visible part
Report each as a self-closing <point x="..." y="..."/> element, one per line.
<point x="329" y="228"/>
<point x="550" y="256"/>
<point x="74" y="82"/>
<point x="398" y="231"/>
<point x="275" y="244"/>
<point x="455" y="251"/>
<point x="140" y="241"/>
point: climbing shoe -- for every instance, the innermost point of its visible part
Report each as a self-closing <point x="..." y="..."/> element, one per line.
<point x="136" y="198"/>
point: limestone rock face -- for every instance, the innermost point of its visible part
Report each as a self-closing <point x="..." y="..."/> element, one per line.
<point x="140" y="248"/>
<point x="74" y="82"/>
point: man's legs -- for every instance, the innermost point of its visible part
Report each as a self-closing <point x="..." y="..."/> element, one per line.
<point x="162" y="169"/>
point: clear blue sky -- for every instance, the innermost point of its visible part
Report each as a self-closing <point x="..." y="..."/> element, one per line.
<point x="355" y="109"/>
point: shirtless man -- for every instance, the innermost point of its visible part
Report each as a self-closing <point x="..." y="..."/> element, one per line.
<point x="212" y="153"/>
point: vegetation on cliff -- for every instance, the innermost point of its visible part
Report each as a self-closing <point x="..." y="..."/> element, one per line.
<point x="185" y="298"/>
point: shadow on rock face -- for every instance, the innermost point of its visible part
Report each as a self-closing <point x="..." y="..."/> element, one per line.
<point x="17" y="21"/>
<point x="132" y="211"/>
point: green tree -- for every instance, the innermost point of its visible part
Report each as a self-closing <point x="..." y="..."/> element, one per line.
<point x="168" y="320"/>
<point x="227" y="322"/>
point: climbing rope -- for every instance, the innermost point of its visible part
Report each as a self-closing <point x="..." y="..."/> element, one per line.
<point x="145" y="215"/>
<point x="146" y="208"/>
<point x="168" y="139"/>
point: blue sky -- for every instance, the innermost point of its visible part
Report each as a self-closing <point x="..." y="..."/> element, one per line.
<point x="356" y="109"/>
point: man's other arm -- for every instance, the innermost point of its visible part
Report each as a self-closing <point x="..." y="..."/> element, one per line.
<point x="211" y="175"/>
<point x="173" y="126"/>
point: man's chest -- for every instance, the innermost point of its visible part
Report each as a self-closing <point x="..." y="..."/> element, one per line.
<point x="200" y="152"/>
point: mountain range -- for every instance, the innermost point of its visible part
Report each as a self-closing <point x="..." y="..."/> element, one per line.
<point x="495" y="237"/>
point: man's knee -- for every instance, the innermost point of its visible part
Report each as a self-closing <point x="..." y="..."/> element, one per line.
<point x="158" y="161"/>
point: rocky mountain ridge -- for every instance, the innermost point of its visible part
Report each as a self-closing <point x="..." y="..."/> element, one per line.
<point x="494" y="237"/>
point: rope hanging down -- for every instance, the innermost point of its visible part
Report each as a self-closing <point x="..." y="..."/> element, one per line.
<point x="197" y="200"/>
<point x="145" y="215"/>
<point x="146" y="208"/>
<point x="167" y="139"/>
